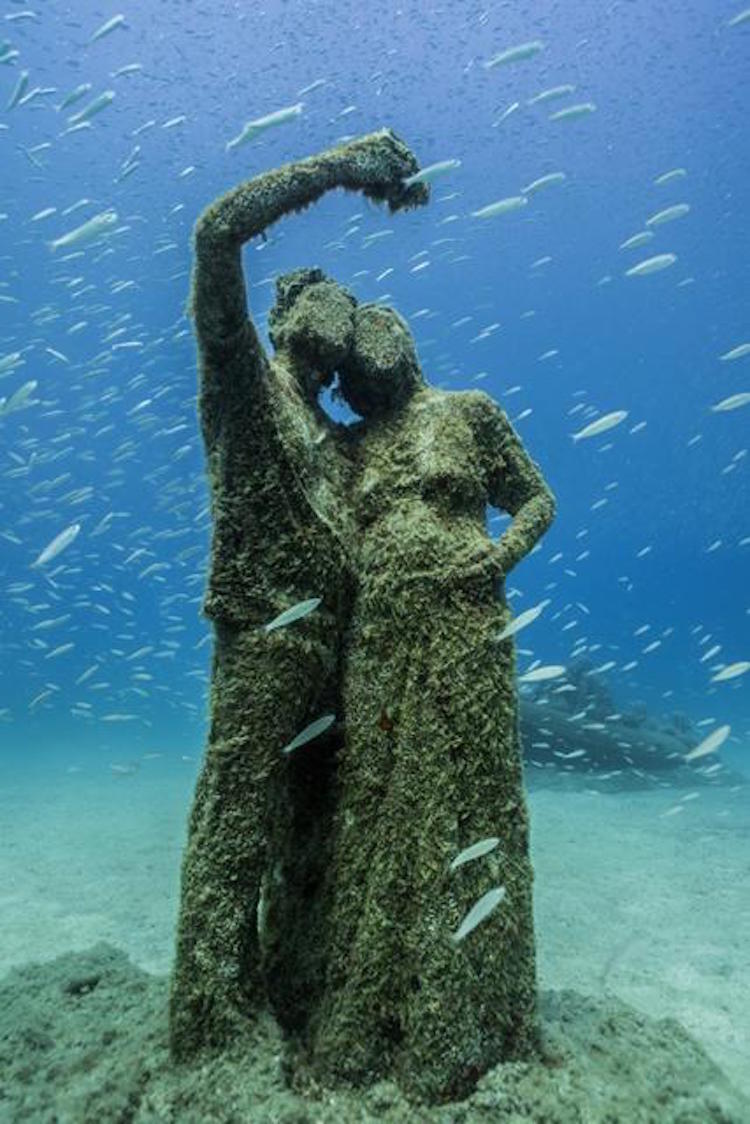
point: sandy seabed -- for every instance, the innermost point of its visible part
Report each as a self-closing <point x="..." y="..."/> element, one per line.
<point x="640" y="895"/>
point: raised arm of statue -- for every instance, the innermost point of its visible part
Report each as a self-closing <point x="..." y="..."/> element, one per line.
<point x="230" y="350"/>
<point x="515" y="485"/>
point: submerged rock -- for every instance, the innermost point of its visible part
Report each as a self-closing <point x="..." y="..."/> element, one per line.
<point x="83" y="1040"/>
<point x="579" y="729"/>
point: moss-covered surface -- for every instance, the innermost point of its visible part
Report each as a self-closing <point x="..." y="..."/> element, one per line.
<point x="280" y="535"/>
<point x="320" y="882"/>
<point x="431" y="760"/>
<point x="83" y="1040"/>
<point x="347" y="871"/>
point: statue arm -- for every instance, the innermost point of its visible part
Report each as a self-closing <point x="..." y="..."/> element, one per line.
<point x="515" y="485"/>
<point x="230" y="350"/>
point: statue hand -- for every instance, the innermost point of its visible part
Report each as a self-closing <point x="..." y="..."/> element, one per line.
<point x="502" y="558"/>
<point x="380" y="162"/>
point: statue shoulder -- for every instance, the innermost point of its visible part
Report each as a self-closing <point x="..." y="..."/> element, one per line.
<point x="482" y="411"/>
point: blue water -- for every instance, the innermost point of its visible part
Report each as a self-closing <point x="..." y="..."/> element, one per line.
<point x="670" y="85"/>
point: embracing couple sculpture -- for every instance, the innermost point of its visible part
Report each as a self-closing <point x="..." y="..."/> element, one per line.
<point x="318" y="882"/>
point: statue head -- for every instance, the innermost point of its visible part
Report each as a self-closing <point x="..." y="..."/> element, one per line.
<point x="381" y="370"/>
<point x="313" y="319"/>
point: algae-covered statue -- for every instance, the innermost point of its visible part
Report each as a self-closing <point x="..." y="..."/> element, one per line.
<point x="351" y="837"/>
<point x="431" y="762"/>
<point x="280" y="536"/>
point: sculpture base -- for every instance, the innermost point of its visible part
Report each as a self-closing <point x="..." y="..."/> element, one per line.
<point x="84" y="1038"/>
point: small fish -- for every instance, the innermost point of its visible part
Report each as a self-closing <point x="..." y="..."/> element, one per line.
<point x="667" y="177"/>
<point x="11" y="361"/>
<point x="129" y="68"/>
<point x="515" y="54"/>
<point x="514" y="105"/>
<point x="541" y="674"/>
<point x="314" y="730"/>
<point x="475" y="851"/>
<point x="544" y="181"/>
<point x="600" y="425"/>
<point x="551" y="94"/>
<point x="37" y="92"/>
<point x="573" y="112"/>
<point x="651" y="265"/>
<point x="124" y="770"/>
<point x="18" y="400"/>
<point x="295" y="613"/>
<point x="86" y="674"/>
<point x="733" y="402"/>
<point x="668" y="214"/>
<point x="313" y="86"/>
<point x="636" y="240"/>
<point x="709" y="744"/>
<point x="522" y="620"/>
<point x="18" y="90"/>
<point x="478" y="912"/>
<point x="74" y="96"/>
<point x="87" y="232"/>
<point x="58" y="544"/>
<point x="260" y="124"/>
<point x="731" y="672"/>
<point x="107" y="28"/>
<point x="501" y="207"/>
<point x="75" y="206"/>
<point x="738" y="352"/>
<point x="93" y="108"/>
<point x="432" y="172"/>
<point x="740" y="18"/>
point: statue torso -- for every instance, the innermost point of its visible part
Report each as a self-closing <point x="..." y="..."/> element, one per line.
<point x="421" y="494"/>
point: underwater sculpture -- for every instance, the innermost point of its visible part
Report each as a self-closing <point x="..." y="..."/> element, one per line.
<point x="385" y="521"/>
<point x="431" y="761"/>
<point x="279" y="537"/>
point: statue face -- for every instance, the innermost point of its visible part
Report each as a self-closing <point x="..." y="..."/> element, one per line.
<point x="319" y="326"/>
<point x="381" y="369"/>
